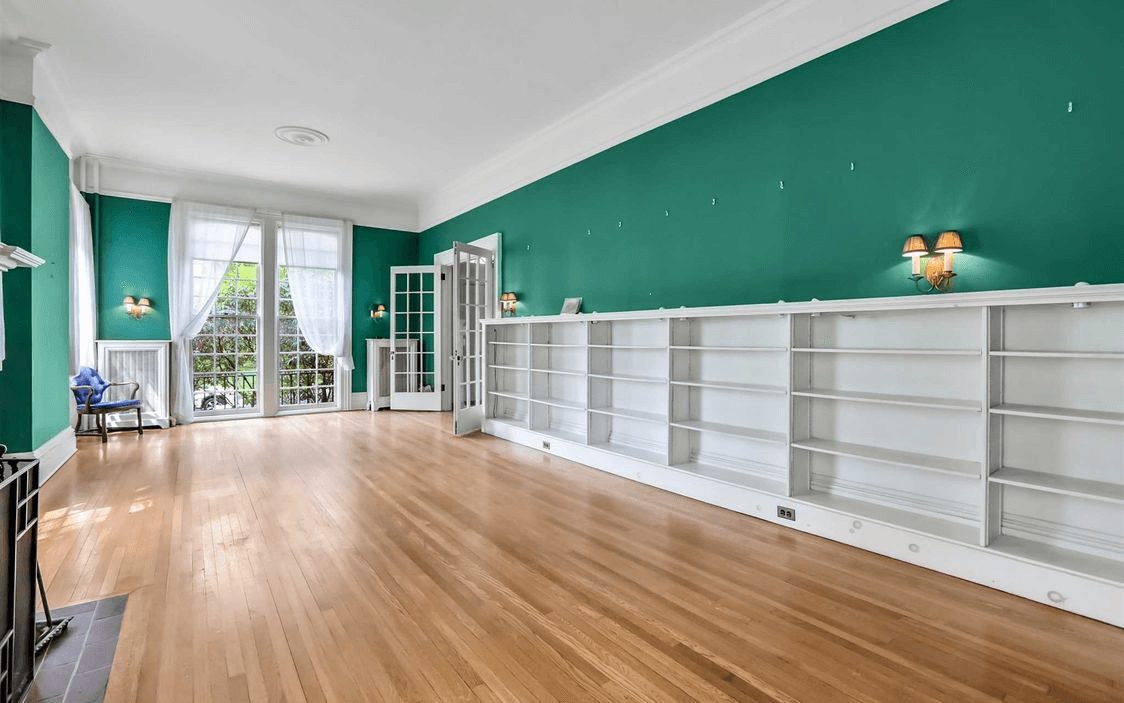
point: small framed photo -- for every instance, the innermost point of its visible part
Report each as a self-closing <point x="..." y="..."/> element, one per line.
<point x="571" y="306"/>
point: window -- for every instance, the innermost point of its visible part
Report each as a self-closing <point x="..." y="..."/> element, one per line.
<point x="306" y="378"/>
<point x="225" y="352"/>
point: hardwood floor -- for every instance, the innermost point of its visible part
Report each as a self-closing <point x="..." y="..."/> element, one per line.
<point x="375" y="557"/>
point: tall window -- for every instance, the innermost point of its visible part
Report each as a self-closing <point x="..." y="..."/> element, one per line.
<point x="306" y="378"/>
<point x="225" y="352"/>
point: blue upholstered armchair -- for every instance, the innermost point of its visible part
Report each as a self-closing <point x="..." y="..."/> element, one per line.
<point x="89" y="390"/>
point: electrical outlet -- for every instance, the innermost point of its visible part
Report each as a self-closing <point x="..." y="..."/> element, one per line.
<point x="545" y="444"/>
<point x="786" y="513"/>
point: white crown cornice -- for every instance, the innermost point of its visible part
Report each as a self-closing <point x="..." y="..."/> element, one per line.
<point x="17" y="69"/>
<point x="769" y="41"/>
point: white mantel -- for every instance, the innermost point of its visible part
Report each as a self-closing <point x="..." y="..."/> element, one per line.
<point x="10" y="258"/>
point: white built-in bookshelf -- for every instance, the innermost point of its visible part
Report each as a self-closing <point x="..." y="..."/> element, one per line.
<point x="978" y="434"/>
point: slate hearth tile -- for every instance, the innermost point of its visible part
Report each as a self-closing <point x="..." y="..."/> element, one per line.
<point x="104" y="629"/>
<point x="51" y="681"/>
<point x="98" y="655"/>
<point x="110" y="607"/>
<point x="88" y="687"/>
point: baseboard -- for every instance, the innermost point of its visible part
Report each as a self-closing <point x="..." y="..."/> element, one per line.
<point x="53" y="453"/>
<point x="359" y="400"/>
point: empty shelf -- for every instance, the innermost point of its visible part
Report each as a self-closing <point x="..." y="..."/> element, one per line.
<point x="888" y="399"/>
<point x="940" y="464"/>
<point x="1065" y="485"/>
<point x="560" y="372"/>
<point x="728" y="349"/>
<point x="561" y="434"/>
<point x="1061" y="355"/>
<point x="738" y="478"/>
<point x="731" y="386"/>
<point x="631" y="414"/>
<point x="1100" y="417"/>
<point x="1068" y="559"/>
<point x="633" y="452"/>
<point x="508" y="394"/>
<point x="551" y="344"/>
<point x="896" y="352"/>
<point x="560" y="403"/>
<point x="628" y="346"/>
<point x="510" y="421"/>
<point x="928" y="524"/>
<point x="507" y="368"/>
<point x="496" y="341"/>
<point x="624" y="377"/>
<point x="732" y="430"/>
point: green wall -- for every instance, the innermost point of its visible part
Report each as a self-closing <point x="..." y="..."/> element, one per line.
<point x="375" y="251"/>
<point x="34" y="215"/>
<point x="131" y="239"/>
<point x="955" y="119"/>
<point x="132" y="259"/>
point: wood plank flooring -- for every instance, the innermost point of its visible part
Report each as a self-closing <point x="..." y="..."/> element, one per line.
<point x="375" y="557"/>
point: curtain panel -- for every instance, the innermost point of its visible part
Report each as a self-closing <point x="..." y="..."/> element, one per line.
<point x="202" y="242"/>
<point x="317" y="252"/>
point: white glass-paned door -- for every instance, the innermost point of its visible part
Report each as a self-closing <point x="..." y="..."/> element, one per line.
<point x="473" y="301"/>
<point x="415" y="323"/>
<point x="225" y="354"/>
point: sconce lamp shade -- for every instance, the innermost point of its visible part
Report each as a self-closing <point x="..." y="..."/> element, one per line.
<point x="508" y="297"/>
<point x="144" y="303"/>
<point x="378" y="311"/>
<point x="915" y="246"/>
<point x="129" y="301"/>
<point x="949" y="242"/>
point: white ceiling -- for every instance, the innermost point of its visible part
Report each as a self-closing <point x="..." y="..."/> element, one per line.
<point x="413" y="93"/>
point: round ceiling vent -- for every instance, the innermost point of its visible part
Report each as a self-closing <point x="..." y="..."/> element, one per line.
<point x="301" y="136"/>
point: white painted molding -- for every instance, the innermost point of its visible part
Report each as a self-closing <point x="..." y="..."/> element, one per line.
<point x="129" y="179"/>
<point x="1022" y="296"/>
<point x="769" y="41"/>
<point x="358" y="400"/>
<point x="17" y="69"/>
<point x="53" y="453"/>
<point x="11" y="257"/>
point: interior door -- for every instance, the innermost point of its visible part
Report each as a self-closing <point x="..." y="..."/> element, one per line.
<point x="415" y="338"/>
<point x="474" y="276"/>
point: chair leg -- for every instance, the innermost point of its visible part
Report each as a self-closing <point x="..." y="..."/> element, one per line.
<point x="102" y="426"/>
<point x="140" y="425"/>
<point x="78" y="423"/>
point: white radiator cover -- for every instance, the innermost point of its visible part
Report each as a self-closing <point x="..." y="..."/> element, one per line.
<point x="145" y="362"/>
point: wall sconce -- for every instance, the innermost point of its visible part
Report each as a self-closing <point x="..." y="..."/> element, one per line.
<point x="507" y="304"/>
<point x="938" y="271"/>
<point x="137" y="308"/>
<point x="378" y="311"/>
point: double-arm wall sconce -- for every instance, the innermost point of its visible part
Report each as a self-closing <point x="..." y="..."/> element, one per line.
<point x="938" y="271"/>
<point x="507" y="304"/>
<point x="377" y="311"/>
<point x="137" y="308"/>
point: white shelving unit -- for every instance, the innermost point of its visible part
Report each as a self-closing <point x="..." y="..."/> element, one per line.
<point x="978" y="434"/>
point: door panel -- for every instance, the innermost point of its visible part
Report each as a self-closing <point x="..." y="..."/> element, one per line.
<point x="415" y="324"/>
<point x="473" y="300"/>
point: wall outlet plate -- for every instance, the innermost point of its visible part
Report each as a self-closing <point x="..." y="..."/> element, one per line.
<point x="786" y="513"/>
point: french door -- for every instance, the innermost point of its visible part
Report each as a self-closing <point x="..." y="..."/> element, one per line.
<point x="416" y="302"/>
<point x="474" y="299"/>
<point x="250" y="358"/>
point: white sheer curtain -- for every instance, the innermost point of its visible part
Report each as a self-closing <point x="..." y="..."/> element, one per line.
<point x="317" y="252"/>
<point x="202" y="241"/>
<point x="83" y="301"/>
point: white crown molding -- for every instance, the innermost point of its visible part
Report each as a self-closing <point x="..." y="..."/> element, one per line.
<point x="130" y="179"/>
<point x="17" y="69"/>
<point x="776" y="38"/>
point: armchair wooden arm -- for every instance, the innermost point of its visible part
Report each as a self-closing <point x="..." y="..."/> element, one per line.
<point x="89" y="395"/>
<point x="134" y="384"/>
